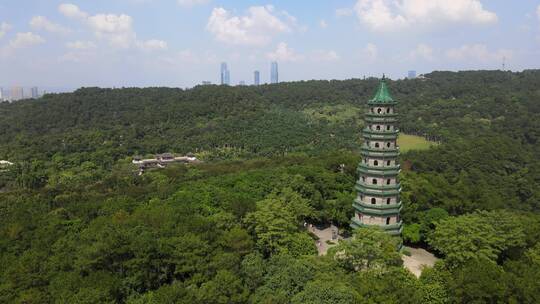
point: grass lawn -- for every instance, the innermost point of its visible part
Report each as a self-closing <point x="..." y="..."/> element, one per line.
<point x="412" y="142"/>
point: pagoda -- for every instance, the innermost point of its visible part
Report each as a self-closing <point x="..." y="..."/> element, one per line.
<point x="378" y="200"/>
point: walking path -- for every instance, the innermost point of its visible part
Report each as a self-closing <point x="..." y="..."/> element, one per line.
<point x="415" y="263"/>
<point x="326" y="234"/>
<point x="418" y="260"/>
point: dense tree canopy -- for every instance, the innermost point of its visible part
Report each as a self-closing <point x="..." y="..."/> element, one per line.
<point x="78" y="225"/>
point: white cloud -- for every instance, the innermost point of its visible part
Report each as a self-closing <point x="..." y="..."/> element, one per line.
<point x="117" y="30"/>
<point x="24" y="40"/>
<point x="81" y="45"/>
<point x="422" y="51"/>
<point x="42" y="23"/>
<point x="21" y="40"/>
<point x="152" y="45"/>
<point x="370" y="53"/>
<point x="72" y="11"/>
<point x="256" y="28"/>
<point x="323" y="24"/>
<point x="478" y="53"/>
<point x="190" y="3"/>
<point x="4" y="28"/>
<point x="77" y="57"/>
<point x="324" y="55"/>
<point x="284" y="53"/>
<point x="344" y="12"/>
<point x="394" y="15"/>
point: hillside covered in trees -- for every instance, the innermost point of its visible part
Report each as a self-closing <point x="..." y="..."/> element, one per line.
<point x="78" y="225"/>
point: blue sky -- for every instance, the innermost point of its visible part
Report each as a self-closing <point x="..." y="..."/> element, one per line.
<point x="107" y="43"/>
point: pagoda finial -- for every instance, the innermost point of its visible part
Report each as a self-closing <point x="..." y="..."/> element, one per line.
<point x="382" y="95"/>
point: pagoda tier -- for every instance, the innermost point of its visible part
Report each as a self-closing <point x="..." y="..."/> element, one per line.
<point x="378" y="200"/>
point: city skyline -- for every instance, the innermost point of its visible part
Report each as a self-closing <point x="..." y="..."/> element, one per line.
<point x="14" y="93"/>
<point x="69" y="44"/>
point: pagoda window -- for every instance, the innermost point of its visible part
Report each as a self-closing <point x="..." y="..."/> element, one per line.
<point x="373" y="201"/>
<point x="387" y="110"/>
<point x="388" y="201"/>
<point x="388" y="163"/>
<point x="361" y="197"/>
<point x="374" y="181"/>
<point x="379" y="110"/>
<point x="388" y="181"/>
<point x="377" y="145"/>
<point x="363" y="178"/>
<point x="376" y="163"/>
<point x="387" y="221"/>
<point x="388" y="127"/>
<point x="378" y="128"/>
<point x="388" y="145"/>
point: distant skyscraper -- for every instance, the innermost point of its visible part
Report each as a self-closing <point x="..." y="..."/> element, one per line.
<point x="206" y="83"/>
<point x="256" y="78"/>
<point x="225" y="74"/>
<point x="17" y="93"/>
<point x="242" y="83"/>
<point x="34" y="92"/>
<point x="1" y="94"/>
<point x="274" y="75"/>
<point x="411" y="75"/>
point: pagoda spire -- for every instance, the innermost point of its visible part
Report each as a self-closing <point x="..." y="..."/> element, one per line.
<point x="382" y="95"/>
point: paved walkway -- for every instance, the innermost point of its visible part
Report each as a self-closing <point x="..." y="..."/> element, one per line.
<point x="325" y="235"/>
<point x="419" y="259"/>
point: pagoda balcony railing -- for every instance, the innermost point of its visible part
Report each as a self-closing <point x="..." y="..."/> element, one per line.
<point x="378" y="173"/>
<point x="379" y="187"/>
<point x="380" y="119"/>
<point x="379" y="136"/>
<point x="380" y="154"/>
<point x="368" y="211"/>
<point x="381" y="115"/>
<point x="378" y="168"/>
<point x="376" y="103"/>
<point x="378" y="206"/>
<point x="384" y="149"/>
<point x="393" y="229"/>
<point x="380" y="132"/>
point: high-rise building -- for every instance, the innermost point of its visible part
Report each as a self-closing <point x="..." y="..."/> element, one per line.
<point x="1" y="94"/>
<point x="206" y="82"/>
<point x="274" y="75"/>
<point x="411" y="75"/>
<point x="256" y="78"/>
<point x="34" y="92"/>
<point x="378" y="201"/>
<point x="242" y="83"/>
<point x="17" y="93"/>
<point x="225" y="74"/>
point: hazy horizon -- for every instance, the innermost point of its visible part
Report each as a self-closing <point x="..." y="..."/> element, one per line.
<point x="181" y="43"/>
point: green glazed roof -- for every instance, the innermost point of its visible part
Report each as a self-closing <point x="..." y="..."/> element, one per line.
<point x="382" y="95"/>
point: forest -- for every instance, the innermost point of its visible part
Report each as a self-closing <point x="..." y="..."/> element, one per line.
<point x="79" y="225"/>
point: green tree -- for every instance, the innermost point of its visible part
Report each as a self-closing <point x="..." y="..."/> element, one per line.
<point x="323" y="292"/>
<point x="369" y="249"/>
<point x="478" y="235"/>
<point x="478" y="281"/>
